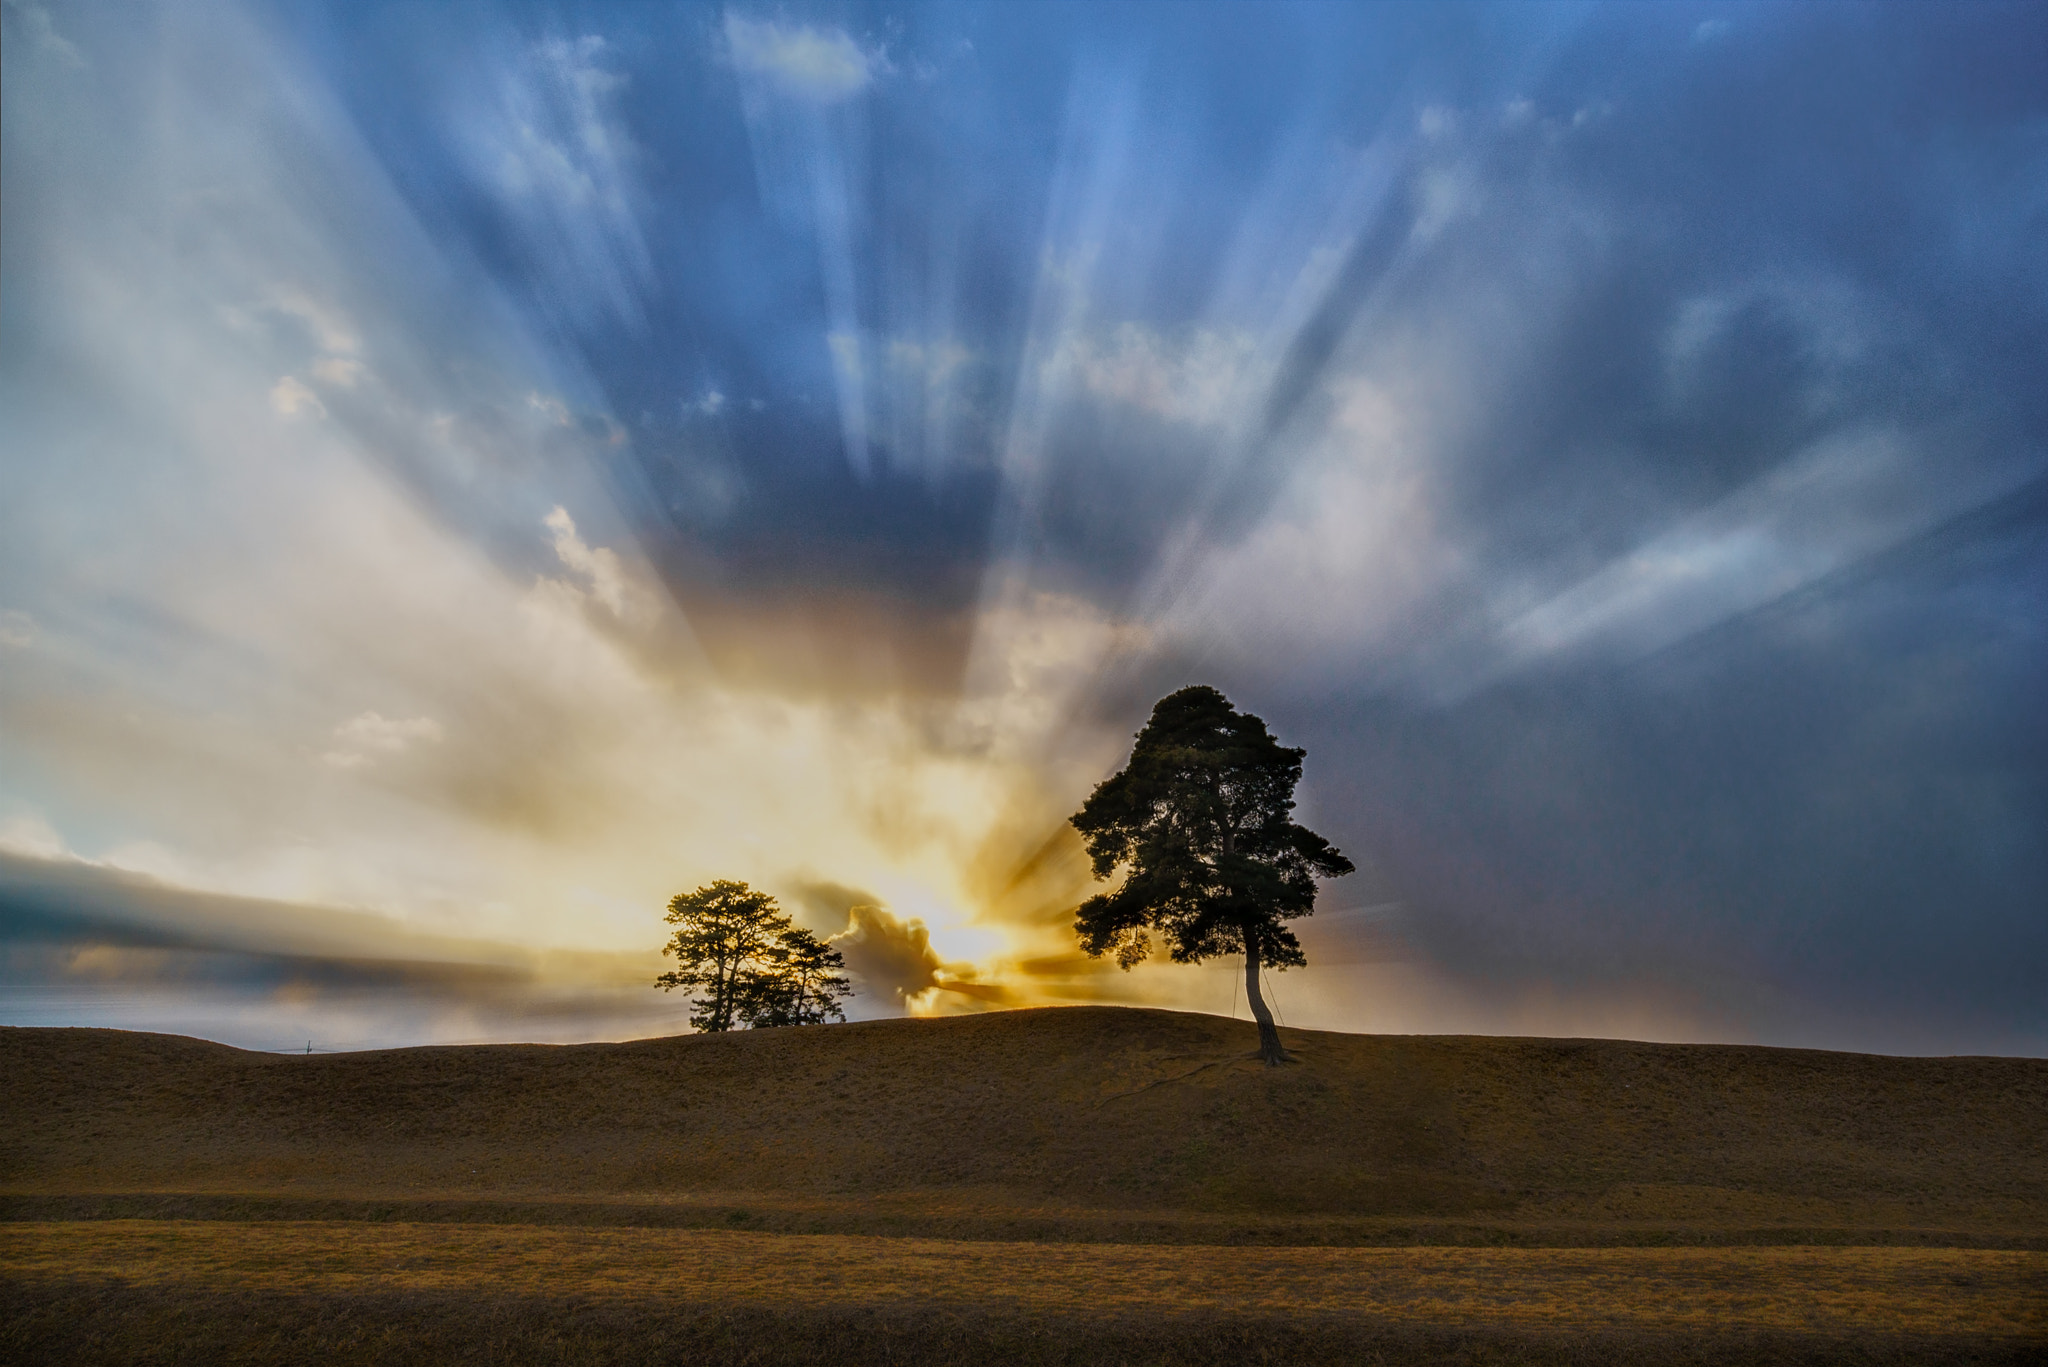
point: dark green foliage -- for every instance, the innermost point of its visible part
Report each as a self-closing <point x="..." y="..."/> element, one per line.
<point x="755" y="968"/>
<point x="1202" y="819"/>
<point x="1202" y="816"/>
<point x="798" y="984"/>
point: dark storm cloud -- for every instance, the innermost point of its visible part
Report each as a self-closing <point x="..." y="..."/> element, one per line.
<point x="1801" y="224"/>
<point x="1829" y="811"/>
<point x="69" y="899"/>
<point x="72" y="932"/>
<point x="1836" y="794"/>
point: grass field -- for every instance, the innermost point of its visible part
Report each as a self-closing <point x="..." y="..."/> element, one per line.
<point x="141" y="1291"/>
<point x="1980" y="1292"/>
<point x="1075" y="1186"/>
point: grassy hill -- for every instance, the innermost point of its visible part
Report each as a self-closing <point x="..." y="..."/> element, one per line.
<point x="1075" y="1123"/>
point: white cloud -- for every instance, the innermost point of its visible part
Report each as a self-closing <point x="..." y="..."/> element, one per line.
<point x="570" y="153"/>
<point x="1843" y="499"/>
<point x="933" y="364"/>
<point x="807" y="160"/>
<point x="1032" y="655"/>
<point x="926" y="398"/>
<point x="821" y="65"/>
<point x="31" y="835"/>
<point x="339" y="371"/>
<point x="1710" y="30"/>
<point x="1200" y="379"/>
<point x="17" y="629"/>
<point x="598" y="565"/>
<point x="363" y="739"/>
<point x="845" y="349"/>
<point x="42" y="31"/>
<point x="290" y="397"/>
<point x="849" y="378"/>
<point x="711" y="405"/>
<point x="549" y="407"/>
<point x="562" y="779"/>
<point x="555" y="148"/>
<point x="330" y="328"/>
<point x="566" y="164"/>
<point x="1443" y="195"/>
<point x="1353" y="545"/>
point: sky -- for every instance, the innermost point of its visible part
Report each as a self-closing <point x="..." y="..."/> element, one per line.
<point x="469" y="473"/>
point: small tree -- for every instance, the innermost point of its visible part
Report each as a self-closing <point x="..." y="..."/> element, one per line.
<point x="1201" y="818"/>
<point x="754" y="967"/>
<point x="800" y="983"/>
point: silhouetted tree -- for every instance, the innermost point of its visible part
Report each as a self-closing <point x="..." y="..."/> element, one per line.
<point x="798" y="983"/>
<point x="1201" y="818"/>
<point x="755" y="968"/>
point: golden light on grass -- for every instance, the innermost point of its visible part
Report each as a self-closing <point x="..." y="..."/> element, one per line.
<point x="1964" y="1292"/>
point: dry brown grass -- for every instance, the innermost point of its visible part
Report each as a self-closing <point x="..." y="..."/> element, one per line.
<point x="1991" y="1293"/>
<point x="1081" y="1123"/>
<point x="51" y="1324"/>
<point x="540" y="1205"/>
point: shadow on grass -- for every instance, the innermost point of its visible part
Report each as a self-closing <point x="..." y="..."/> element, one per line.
<point x="61" y="1323"/>
<point x="1084" y="1227"/>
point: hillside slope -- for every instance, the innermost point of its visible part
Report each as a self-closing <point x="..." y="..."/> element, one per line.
<point x="1105" y="1110"/>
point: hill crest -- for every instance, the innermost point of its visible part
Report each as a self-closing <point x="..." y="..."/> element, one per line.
<point x="1108" y="1113"/>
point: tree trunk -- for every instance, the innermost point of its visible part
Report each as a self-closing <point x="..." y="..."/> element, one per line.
<point x="1269" y="1037"/>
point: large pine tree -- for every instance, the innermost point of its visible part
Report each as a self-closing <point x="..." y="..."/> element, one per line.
<point x="1202" y="820"/>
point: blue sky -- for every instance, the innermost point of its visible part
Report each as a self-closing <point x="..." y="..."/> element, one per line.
<point x="467" y="473"/>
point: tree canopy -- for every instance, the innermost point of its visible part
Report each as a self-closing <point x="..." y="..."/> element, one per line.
<point x="753" y="965"/>
<point x="1201" y="820"/>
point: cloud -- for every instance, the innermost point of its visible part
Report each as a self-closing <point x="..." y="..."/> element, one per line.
<point x="550" y="408"/>
<point x="31" y="836"/>
<point x="343" y="372"/>
<point x="599" y="567"/>
<point x="1842" y="501"/>
<point x="820" y="65"/>
<point x="1199" y="380"/>
<point x="934" y="363"/>
<point x="850" y="378"/>
<point x="566" y="151"/>
<point x="290" y="397"/>
<point x="810" y="141"/>
<point x="1443" y="195"/>
<point x="364" y="739"/>
<point x="1355" y="545"/>
<point x="550" y="145"/>
<point x="1263" y="383"/>
<point x="330" y="328"/>
<point x="80" y="940"/>
<point x="17" y="629"/>
<point x="42" y="31"/>
<point x="893" y="958"/>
